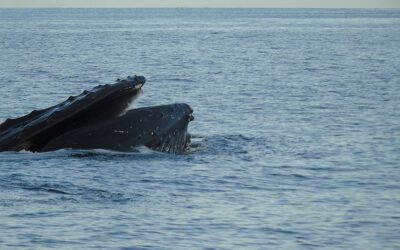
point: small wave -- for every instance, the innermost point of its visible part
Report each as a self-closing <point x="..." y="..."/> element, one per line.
<point x="140" y="151"/>
<point x="63" y="191"/>
<point x="197" y="144"/>
<point x="104" y="152"/>
<point x="291" y="175"/>
<point x="50" y="188"/>
<point x="20" y="181"/>
<point x="233" y="143"/>
<point x="179" y="80"/>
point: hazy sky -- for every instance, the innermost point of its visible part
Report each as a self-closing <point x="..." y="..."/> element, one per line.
<point x="201" y="3"/>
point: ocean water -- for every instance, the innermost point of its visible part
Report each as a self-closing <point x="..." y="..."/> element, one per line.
<point x="296" y="131"/>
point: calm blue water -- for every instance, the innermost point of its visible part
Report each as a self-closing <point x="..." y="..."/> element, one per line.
<point x="297" y="129"/>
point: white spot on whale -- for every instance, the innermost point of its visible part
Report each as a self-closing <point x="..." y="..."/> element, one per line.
<point x="120" y="131"/>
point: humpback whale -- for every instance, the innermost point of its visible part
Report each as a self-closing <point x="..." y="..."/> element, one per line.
<point x="99" y="119"/>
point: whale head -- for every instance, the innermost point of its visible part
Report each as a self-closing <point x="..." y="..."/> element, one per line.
<point x="98" y="119"/>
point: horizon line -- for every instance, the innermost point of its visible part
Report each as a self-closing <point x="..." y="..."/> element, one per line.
<point x="186" y="7"/>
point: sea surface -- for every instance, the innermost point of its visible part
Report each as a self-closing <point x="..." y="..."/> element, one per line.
<point x="296" y="138"/>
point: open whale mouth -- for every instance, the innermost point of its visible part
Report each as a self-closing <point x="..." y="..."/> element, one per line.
<point x="93" y="120"/>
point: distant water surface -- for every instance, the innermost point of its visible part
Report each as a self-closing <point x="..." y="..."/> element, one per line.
<point x="297" y="129"/>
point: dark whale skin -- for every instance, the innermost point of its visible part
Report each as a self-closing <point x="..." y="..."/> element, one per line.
<point x="98" y="112"/>
<point x="162" y="128"/>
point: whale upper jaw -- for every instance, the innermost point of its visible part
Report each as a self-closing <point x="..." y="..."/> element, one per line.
<point x="99" y="108"/>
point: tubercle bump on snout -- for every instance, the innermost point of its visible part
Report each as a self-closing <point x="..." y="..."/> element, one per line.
<point x="183" y="110"/>
<point x="188" y="111"/>
<point x="136" y="80"/>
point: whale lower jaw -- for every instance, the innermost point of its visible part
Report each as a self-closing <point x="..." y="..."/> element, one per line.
<point x="175" y="142"/>
<point x="162" y="128"/>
